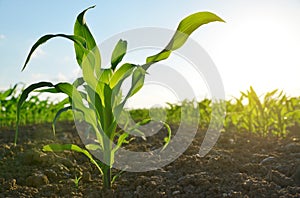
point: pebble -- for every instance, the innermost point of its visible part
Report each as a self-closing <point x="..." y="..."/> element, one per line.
<point x="33" y="157"/>
<point x="268" y="161"/>
<point x="37" y="180"/>
<point x="293" y="147"/>
<point x="176" y="192"/>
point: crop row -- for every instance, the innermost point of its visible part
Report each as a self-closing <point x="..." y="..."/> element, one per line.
<point x="35" y="109"/>
<point x="274" y="113"/>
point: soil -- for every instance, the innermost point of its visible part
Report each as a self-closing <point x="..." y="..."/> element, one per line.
<point x="239" y="165"/>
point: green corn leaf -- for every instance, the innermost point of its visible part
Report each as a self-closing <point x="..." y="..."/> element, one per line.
<point x="70" y="147"/>
<point x="59" y="112"/>
<point x="186" y="27"/>
<point x="117" y="176"/>
<point x="8" y="92"/>
<point x="255" y="99"/>
<point x="137" y="83"/>
<point x="121" y="140"/>
<point x="270" y="94"/>
<point x="168" y="138"/>
<point x="93" y="147"/>
<point x="108" y="113"/>
<point x="118" y="53"/>
<point x="96" y="103"/>
<point x="23" y="98"/>
<point x="78" y="82"/>
<point x="106" y="75"/>
<point x="123" y="72"/>
<point x="48" y="90"/>
<point x="89" y="74"/>
<point x="81" y="29"/>
<point x="76" y="39"/>
<point x="77" y="103"/>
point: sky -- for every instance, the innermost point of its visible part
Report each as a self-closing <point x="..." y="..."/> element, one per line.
<point x="257" y="46"/>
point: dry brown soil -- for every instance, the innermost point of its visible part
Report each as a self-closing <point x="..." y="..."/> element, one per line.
<point x="240" y="165"/>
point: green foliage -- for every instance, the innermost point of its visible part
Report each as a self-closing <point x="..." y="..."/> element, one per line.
<point x="271" y="114"/>
<point x="76" y="181"/>
<point x="37" y="110"/>
<point x="100" y="88"/>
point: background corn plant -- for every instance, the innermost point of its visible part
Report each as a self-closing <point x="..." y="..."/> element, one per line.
<point x="271" y="114"/>
<point x="100" y="88"/>
<point x="37" y="110"/>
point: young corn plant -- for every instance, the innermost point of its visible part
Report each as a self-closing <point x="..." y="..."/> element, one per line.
<point x="96" y="97"/>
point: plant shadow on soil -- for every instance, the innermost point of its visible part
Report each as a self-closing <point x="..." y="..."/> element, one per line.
<point x="239" y="165"/>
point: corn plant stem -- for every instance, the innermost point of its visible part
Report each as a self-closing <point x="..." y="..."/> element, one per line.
<point x="107" y="167"/>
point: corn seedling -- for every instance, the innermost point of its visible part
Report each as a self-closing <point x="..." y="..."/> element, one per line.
<point x="100" y="88"/>
<point x="76" y="181"/>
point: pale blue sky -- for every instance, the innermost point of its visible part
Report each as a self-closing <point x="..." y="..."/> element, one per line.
<point x="259" y="45"/>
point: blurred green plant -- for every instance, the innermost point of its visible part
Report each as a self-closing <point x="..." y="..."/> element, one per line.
<point x="271" y="114"/>
<point x="37" y="110"/>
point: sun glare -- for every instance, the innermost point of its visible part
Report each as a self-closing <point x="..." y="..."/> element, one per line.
<point x="261" y="51"/>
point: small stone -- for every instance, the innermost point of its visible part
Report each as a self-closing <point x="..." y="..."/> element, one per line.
<point x="268" y="161"/>
<point x="153" y="183"/>
<point x="176" y="192"/>
<point x="293" y="147"/>
<point x="231" y="141"/>
<point x="37" y="180"/>
<point x="33" y="157"/>
<point x="30" y="157"/>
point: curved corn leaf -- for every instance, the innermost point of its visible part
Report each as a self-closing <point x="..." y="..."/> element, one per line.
<point x="116" y="176"/>
<point x="186" y="27"/>
<point x="59" y="112"/>
<point x="89" y="114"/>
<point x="81" y="29"/>
<point x="88" y="71"/>
<point x="77" y="103"/>
<point x="123" y="72"/>
<point x="121" y="140"/>
<point x="23" y="98"/>
<point x="168" y="138"/>
<point x="148" y="120"/>
<point x="78" y="82"/>
<point x="48" y="90"/>
<point x="8" y="92"/>
<point x="93" y="147"/>
<point x="76" y="39"/>
<point x="137" y="83"/>
<point x="106" y="75"/>
<point x="71" y="147"/>
<point x="118" y="53"/>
